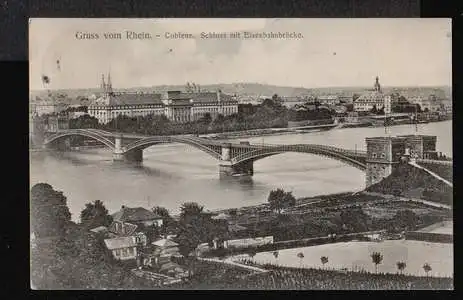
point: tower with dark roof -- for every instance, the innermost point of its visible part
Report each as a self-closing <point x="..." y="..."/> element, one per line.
<point x="377" y="85"/>
<point x="109" y="86"/>
<point x="102" y="84"/>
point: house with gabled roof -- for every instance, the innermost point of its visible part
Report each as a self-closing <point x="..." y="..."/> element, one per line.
<point x="137" y="215"/>
<point x="126" y="247"/>
<point x="118" y="228"/>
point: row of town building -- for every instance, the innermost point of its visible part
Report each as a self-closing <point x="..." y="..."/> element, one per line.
<point x="182" y="107"/>
<point x="377" y="98"/>
<point x="177" y="106"/>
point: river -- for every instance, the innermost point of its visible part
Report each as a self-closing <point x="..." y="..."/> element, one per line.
<point x="173" y="174"/>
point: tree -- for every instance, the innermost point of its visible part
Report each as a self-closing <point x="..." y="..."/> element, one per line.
<point x="277" y="99"/>
<point x="324" y="260"/>
<point x="275" y="254"/>
<point x="268" y="102"/>
<point x="206" y="119"/>
<point x="161" y="211"/>
<point x="251" y="252"/>
<point x="301" y="257"/>
<point x="233" y="212"/>
<point x="377" y="259"/>
<point x="374" y="110"/>
<point x="49" y="212"/>
<point x="279" y="199"/>
<point x="349" y="107"/>
<point x="401" y="265"/>
<point x="95" y="214"/>
<point x="405" y="219"/>
<point x="427" y="268"/>
<point x="190" y="210"/>
<point x="195" y="227"/>
<point x="84" y="121"/>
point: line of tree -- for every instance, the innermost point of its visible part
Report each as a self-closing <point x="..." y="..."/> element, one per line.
<point x="270" y="114"/>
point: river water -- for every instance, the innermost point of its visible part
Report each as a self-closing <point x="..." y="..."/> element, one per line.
<point x="173" y="174"/>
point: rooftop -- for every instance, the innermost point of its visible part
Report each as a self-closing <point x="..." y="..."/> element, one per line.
<point x="136" y="214"/>
<point x="165" y="243"/>
<point x="132" y="99"/>
<point x="120" y="242"/>
<point x="122" y="228"/>
<point x="99" y="229"/>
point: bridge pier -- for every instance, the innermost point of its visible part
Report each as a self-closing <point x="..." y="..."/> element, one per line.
<point x="131" y="156"/>
<point x="61" y="145"/>
<point x="227" y="169"/>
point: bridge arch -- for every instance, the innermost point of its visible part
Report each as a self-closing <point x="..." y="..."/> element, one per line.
<point x="213" y="150"/>
<point x="93" y="134"/>
<point x="353" y="158"/>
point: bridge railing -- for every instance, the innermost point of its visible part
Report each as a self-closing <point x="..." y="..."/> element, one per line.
<point x="323" y="147"/>
<point x="146" y="142"/>
<point x="89" y="133"/>
<point x="433" y="161"/>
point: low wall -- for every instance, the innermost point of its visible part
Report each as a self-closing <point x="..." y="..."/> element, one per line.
<point x="251" y="242"/>
<point x="309" y="122"/>
<point x="429" y="237"/>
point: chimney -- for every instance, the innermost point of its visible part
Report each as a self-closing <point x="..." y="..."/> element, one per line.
<point x="218" y="95"/>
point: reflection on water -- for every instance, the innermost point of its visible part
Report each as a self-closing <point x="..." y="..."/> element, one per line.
<point x="173" y="174"/>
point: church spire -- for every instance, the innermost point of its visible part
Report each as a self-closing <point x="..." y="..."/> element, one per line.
<point x="109" y="86"/>
<point x="377" y="85"/>
<point x="102" y="84"/>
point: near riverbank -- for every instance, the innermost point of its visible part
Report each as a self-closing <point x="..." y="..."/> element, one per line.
<point x="313" y="219"/>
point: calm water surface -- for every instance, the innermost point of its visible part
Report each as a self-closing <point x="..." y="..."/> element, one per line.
<point x="355" y="256"/>
<point x="176" y="173"/>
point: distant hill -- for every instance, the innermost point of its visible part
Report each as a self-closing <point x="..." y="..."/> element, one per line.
<point x="255" y="89"/>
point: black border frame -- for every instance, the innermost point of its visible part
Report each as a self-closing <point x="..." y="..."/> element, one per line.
<point x="13" y="47"/>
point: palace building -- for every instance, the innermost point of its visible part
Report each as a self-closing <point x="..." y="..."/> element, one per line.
<point x="370" y="99"/>
<point x="177" y="106"/>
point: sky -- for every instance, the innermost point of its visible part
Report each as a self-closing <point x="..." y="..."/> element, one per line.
<point x="332" y="53"/>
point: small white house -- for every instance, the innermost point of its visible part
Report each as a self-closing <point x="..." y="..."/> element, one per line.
<point x="125" y="248"/>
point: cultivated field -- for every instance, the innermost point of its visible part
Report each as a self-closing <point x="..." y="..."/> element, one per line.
<point x="356" y="256"/>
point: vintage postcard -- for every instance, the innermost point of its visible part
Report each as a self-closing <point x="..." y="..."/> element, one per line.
<point x="245" y="154"/>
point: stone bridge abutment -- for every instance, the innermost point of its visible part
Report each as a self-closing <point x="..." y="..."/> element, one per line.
<point x="228" y="169"/>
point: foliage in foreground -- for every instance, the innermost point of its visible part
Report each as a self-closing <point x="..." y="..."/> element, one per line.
<point x="283" y="278"/>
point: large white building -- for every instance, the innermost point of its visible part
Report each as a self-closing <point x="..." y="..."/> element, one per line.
<point x="430" y="103"/>
<point x="370" y="99"/>
<point x="177" y="106"/>
<point x="329" y="100"/>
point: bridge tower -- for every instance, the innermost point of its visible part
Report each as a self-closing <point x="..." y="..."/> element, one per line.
<point x="383" y="155"/>
<point x="228" y="169"/>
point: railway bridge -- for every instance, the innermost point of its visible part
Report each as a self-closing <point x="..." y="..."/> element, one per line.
<point x="237" y="159"/>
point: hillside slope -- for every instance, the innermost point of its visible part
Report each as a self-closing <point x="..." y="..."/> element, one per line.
<point x="254" y="89"/>
<point x="407" y="180"/>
